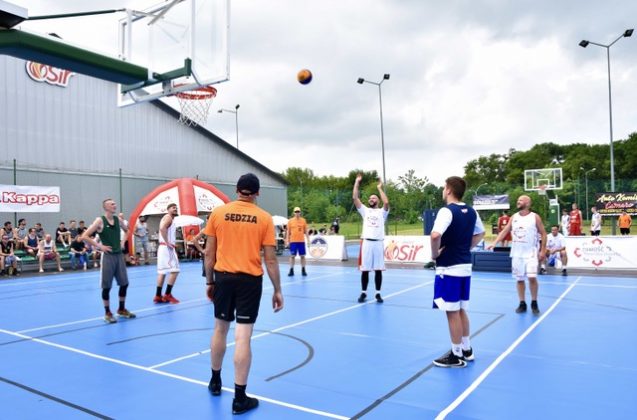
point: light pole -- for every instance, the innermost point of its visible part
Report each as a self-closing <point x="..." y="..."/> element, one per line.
<point x="360" y="81"/>
<point x="236" y="119"/>
<point x="481" y="185"/>
<point x="586" y="183"/>
<point x="584" y="43"/>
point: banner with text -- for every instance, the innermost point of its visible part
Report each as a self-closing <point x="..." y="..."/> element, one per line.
<point x="491" y="202"/>
<point x="407" y="249"/>
<point x="612" y="203"/>
<point x="602" y="252"/>
<point x="29" y="199"/>
<point x="327" y="247"/>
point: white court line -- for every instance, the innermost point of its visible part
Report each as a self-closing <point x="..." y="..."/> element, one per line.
<point x="566" y="283"/>
<point x="444" y="413"/>
<point x="170" y="375"/>
<point x="316" y="318"/>
<point x="66" y="324"/>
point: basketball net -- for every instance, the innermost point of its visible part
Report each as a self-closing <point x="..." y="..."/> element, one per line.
<point x="541" y="190"/>
<point x="195" y="105"/>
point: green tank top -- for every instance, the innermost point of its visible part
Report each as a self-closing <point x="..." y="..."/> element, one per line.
<point x="110" y="235"/>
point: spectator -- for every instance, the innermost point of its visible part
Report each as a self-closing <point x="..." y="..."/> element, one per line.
<point x="48" y="251"/>
<point x="596" y="222"/>
<point x="192" y="251"/>
<point x="124" y="241"/>
<point x="624" y="222"/>
<point x="8" y="260"/>
<point x="39" y="231"/>
<point x="504" y="220"/>
<point x="565" y="223"/>
<point x="9" y="231"/>
<point x="78" y="251"/>
<point x="62" y="235"/>
<point x="20" y="233"/>
<point x="30" y="243"/>
<point x="81" y="228"/>
<point x="336" y="226"/>
<point x="73" y="230"/>
<point x="141" y="233"/>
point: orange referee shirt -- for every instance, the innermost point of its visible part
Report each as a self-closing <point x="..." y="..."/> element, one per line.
<point x="624" y="221"/>
<point x="297" y="229"/>
<point x="241" y="229"/>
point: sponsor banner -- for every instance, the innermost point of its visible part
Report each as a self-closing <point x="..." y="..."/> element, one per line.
<point x="206" y="201"/>
<point x="602" y="252"/>
<point x="612" y="203"/>
<point x="44" y="73"/>
<point x="407" y="249"/>
<point x="29" y="199"/>
<point x="159" y="204"/>
<point x="491" y="202"/>
<point x="327" y="247"/>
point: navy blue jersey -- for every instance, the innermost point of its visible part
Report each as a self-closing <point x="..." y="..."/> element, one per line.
<point x="456" y="240"/>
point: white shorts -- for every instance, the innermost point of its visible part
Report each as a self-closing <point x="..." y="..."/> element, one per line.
<point x="372" y="256"/>
<point x="523" y="268"/>
<point x="167" y="261"/>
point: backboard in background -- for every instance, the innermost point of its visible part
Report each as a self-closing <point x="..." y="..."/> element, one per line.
<point x="543" y="179"/>
<point x="164" y="37"/>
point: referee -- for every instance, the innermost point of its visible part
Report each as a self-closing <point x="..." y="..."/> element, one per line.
<point x="237" y="232"/>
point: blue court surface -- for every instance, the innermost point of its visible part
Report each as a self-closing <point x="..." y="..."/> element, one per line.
<point x="324" y="355"/>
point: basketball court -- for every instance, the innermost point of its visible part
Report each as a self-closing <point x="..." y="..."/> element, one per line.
<point x="324" y="355"/>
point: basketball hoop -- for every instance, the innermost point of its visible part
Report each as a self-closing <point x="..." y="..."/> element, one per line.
<point x="195" y="105"/>
<point x="541" y="190"/>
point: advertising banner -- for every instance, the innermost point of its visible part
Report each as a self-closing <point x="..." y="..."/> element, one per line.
<point x="327" y="247"/>
<point x="602" y="252"/>
<point x="491" y="202"/>
<point x="612" y="203"/>
<point x="407" y="249"/>
<point x="29" y="199"/>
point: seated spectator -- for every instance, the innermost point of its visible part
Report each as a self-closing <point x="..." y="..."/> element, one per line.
<point x="81" y="228"/>
<point x="21" y="233"/>
<point x="323" y="230"/>
<point x="30" y="243"/>
<point x="39" y="231"/>
<point x="9" y="231"/>
<point x="8" y="260"/>
<point x="94" y="252"/>
<point x="77" y="251"/>
<point x="73" y="230"/>
<point x="192" y="251"/>
<point x="48" y="251"/>
<point x="62" y="235"/>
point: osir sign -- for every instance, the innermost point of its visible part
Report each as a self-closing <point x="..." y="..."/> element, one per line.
<point x="48" y="74"/>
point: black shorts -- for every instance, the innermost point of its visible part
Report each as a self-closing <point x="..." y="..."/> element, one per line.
<point x="237" y="293"/>
<point x="624" y="231"/>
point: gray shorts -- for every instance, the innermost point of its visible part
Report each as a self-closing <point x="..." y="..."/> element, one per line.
<point x="113" y="265"/>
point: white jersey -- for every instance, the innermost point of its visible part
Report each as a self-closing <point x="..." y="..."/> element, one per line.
<point x="555" y="242"/>
<point x="566" y="221"/>
<point x="373" y="222"/>
<point x="167" y="260"/>
<point x="596" y="222"/>
<point x="172" y="235"/>
<point x="524" y="236"/>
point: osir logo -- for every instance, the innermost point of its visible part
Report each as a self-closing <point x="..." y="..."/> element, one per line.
<point x="48" y="74"/>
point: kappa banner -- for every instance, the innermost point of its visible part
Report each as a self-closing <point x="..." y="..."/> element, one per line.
<point x="408" y="249"/>
<point x="29" y="199"/>
<point x="602" y="252"/>
<point x="612" y="203"/>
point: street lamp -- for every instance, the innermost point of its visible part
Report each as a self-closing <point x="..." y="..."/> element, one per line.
<point x="360" y="81"/>
<point x="236" y="119"/>
<point x="586" y="183"/>
<point x="584" y="43"/>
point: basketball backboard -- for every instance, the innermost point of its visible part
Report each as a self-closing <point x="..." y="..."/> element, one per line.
<point x="543" y="179"/>
<point x="186" y="39"/>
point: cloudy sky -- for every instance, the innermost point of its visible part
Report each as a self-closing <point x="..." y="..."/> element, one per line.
<point x="468" y="78"/>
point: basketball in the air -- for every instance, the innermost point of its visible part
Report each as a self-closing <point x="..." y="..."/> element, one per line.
<point x="304" y="76"/>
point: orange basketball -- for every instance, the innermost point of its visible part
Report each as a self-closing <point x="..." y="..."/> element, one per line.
<point x="304" y="76"/>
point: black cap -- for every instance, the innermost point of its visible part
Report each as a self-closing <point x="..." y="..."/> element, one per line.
<point x="248" y="184"/>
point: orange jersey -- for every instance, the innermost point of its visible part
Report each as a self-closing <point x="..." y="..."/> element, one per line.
<point x="297" y="229"/>
<point x="241" y="229"/>
<point x="624" y="221"/>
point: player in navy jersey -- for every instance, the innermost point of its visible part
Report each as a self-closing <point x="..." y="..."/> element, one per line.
<point x="457" y="229"/>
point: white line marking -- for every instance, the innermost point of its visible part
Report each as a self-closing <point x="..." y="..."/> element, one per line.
<point x="316" y="318"/>
<point x="566" y="283"/>
<point x="444" y="413"/>
<point x="170" y="375"/>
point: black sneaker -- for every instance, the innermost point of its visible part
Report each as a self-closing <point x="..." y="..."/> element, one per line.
<point x="534" y="308"/>
<point x="303" y="272"/>
<point x="240" y="407"/>
<point x="521" y="308"/>
<point x="214" y="387"/>
<point x="564" y="273"/>
<point x="378" y="298"/>
<point x="291" y="272"/>
<point x="467" y="355"/>
<point x="450" y="360"/>
<point x="362" y="298"/>
<point x="542" y="270"/>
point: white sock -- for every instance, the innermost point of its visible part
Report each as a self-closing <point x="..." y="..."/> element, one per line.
<point x="364" y="292"/>
<point x="456" y="349"/>
<point x="466" y="343"/>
